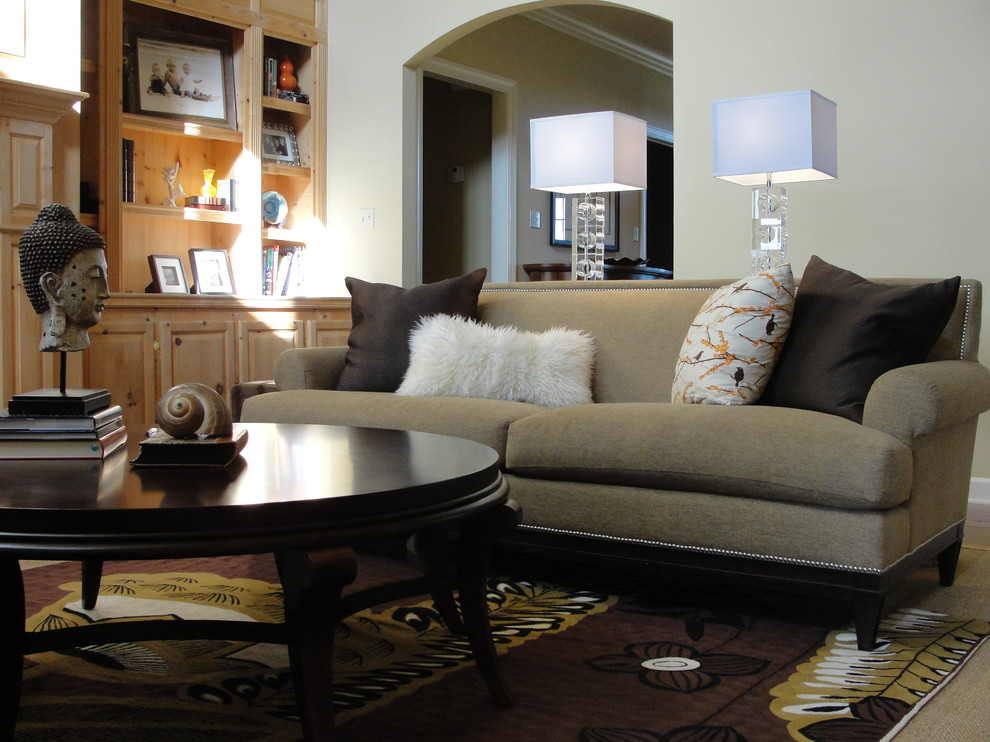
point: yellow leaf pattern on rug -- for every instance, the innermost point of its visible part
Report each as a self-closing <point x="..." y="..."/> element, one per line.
<point x="380" y="654"/>
<point x="842" y="687"/>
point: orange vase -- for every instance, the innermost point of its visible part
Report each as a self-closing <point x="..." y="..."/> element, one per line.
<point x="286" y="80"/>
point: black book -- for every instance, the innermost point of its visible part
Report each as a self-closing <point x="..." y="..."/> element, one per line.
<point x="62" y="423"/>
<point x="54" y="402"/>
<point x="61" y="435"/>
<point x="161" y="449"/>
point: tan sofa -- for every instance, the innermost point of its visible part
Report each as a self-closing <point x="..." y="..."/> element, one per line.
<point x="800" y="496"/>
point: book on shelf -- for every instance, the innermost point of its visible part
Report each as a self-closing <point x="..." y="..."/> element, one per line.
<point x="282" y="274"/>
<point x="294" y="281"/>
<point x="127" y="165"/>
<point x="268" y="270"/>
<point x="64" y="448"/>
<point x="61" y="424"/>
<point x="271" y="76"/>
<point x="227" y="190"/>
<point x="282" y="268"/>
<point x="214" y="203"/>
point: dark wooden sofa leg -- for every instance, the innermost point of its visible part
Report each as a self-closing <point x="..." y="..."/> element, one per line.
<point x="92" y="573"/>
<point x="867" y="611"/>
<point x="948" y="560"/>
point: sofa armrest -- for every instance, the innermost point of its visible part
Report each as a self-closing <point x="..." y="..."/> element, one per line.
<point x="917" y="400"/>
<point x="309" y="368"/>
<point x="246" y="390"/>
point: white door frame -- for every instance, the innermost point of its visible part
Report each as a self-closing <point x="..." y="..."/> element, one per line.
<point x="504" y="154"/>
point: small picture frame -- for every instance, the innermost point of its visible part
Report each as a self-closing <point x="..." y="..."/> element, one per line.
<point x="278" y="144"/>
<point x="167" y="275"/>
<point x="211" y="271"/>
<point x="179" y="76"/>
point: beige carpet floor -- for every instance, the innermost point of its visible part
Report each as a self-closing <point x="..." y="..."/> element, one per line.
<point x="960" y="712"/>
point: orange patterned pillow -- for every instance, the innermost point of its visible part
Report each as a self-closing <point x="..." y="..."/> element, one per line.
<point x="732" y="345"/>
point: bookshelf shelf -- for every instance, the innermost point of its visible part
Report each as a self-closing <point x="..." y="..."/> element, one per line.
<point x="287" y="236"/>
<point x="278" y="104"/>
<point x="133" y="123"/>
<point x="194" y="215"/>
<point x="291" y="171"/>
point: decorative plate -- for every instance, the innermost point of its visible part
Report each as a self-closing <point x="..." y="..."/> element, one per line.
<point x="274" y="209"/>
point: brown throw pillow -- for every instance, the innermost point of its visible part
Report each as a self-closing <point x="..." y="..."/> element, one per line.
<point x="382" y="316"/>
<point x="846" y="331"/>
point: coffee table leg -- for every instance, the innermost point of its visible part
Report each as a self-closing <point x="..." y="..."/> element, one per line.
<point x="478" y="536"/>
<point x="312" y="583"/>
<point x="427" y="552"/>
<point x="11" y="648"/>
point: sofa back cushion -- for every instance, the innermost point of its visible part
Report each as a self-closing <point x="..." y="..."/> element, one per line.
<point x="638" y="331"/>
<point x="639" y="326"/>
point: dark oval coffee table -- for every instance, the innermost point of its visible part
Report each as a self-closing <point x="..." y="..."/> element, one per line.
<point x="306" y="493"/>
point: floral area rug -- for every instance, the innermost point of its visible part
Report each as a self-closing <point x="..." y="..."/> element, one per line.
<point x="590" y="656"/>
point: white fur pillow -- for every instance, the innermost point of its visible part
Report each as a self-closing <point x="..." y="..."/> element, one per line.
<point x="458" y="357"/>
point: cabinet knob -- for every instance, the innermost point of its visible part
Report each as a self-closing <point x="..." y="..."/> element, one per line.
<point x="156" y="345"/>
<point x="178" y="341"/>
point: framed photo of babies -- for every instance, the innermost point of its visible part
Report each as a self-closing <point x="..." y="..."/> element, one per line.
<point x="179" y="76"/>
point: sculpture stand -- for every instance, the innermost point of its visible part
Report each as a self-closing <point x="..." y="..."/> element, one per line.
<point x="59" y="402"/>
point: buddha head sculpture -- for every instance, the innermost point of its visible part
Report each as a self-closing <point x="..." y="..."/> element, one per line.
<point x="64" y="272"/>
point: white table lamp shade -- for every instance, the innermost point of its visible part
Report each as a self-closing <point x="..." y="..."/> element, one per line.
<point x="791" y="136"/>
<point x="588" y="153"/>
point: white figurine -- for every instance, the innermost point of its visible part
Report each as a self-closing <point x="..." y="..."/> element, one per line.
<point x="174" y="189"/>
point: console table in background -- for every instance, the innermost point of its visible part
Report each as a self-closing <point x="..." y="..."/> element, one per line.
<point x="621" y="270"/>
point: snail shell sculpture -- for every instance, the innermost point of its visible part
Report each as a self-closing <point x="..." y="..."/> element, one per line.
<point x="194" y="411"/>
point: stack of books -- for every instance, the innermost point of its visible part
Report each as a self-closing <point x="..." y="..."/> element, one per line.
<point x="270" y="81"/>
<point x="92" y="436"/>
<point x="283" y="273"/>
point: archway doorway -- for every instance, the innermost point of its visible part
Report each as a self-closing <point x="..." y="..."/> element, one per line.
<point x="535" y="64"/>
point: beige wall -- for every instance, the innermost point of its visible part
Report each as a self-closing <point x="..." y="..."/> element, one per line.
<point x="45" y="53"/>
<point x="43" y="49"/>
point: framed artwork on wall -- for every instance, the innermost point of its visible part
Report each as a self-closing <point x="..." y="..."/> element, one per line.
<point x="167" y="275"/>
<point x="211" y="271"/>
<point x="179" y="76"/>
<point x="560" y="219"/>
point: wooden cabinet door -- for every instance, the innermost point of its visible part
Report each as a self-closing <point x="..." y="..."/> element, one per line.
<point x="197" y="352"/>
<point x="121" y="358"/>
<point x="328" y="330"/>
<point x="260" y="342"/>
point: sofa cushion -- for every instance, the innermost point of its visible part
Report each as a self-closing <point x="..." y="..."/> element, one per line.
<point x="746" y="451"/>
<point x="458" y="357"/>
<point x="847" y="331"/>
<point x="731" y="346"/>
<point x="483" y="420"/>
<point x="382" y="316"/>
